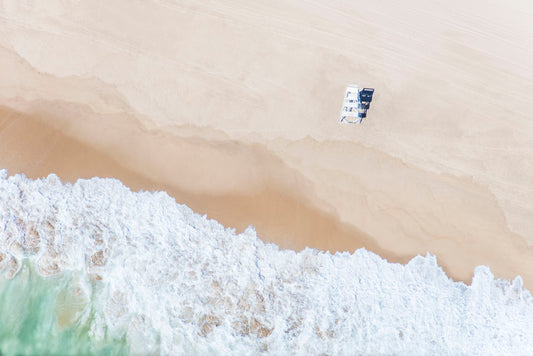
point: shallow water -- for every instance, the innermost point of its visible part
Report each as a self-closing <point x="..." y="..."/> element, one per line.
<point x="51" y="315"/>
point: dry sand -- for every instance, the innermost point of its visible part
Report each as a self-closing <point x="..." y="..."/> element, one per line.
<point x="232" y="107"/>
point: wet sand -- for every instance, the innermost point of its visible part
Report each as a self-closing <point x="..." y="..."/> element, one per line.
<point x="275" y="203"/>
<point x="232" y="107"/>
<point x="33" y="148"/>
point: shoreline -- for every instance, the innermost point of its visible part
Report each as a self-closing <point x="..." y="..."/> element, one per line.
<point x="300" y="224"/>
<point x="288" y="218"/>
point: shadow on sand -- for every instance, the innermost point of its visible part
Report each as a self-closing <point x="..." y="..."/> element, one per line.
<point x="365" y="98"/>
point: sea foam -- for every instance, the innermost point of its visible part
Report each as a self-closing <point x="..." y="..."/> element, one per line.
<point x="168" y="281"/>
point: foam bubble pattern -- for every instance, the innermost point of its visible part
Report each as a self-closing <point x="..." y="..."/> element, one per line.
<point x="172" y="282"/>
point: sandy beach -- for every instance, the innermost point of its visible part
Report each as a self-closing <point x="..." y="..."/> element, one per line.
<point x="233" y="109"/>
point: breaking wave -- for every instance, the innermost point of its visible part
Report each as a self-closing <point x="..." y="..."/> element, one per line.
<point x="96" y="267"/>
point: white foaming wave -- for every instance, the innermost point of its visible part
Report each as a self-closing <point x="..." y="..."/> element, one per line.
<point x="173" y="282"/>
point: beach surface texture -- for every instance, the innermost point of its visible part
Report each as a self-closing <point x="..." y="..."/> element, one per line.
<point x="233" y="109"/>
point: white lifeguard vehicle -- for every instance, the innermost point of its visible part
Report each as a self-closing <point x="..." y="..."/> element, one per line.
<point x="355" y="104"/>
